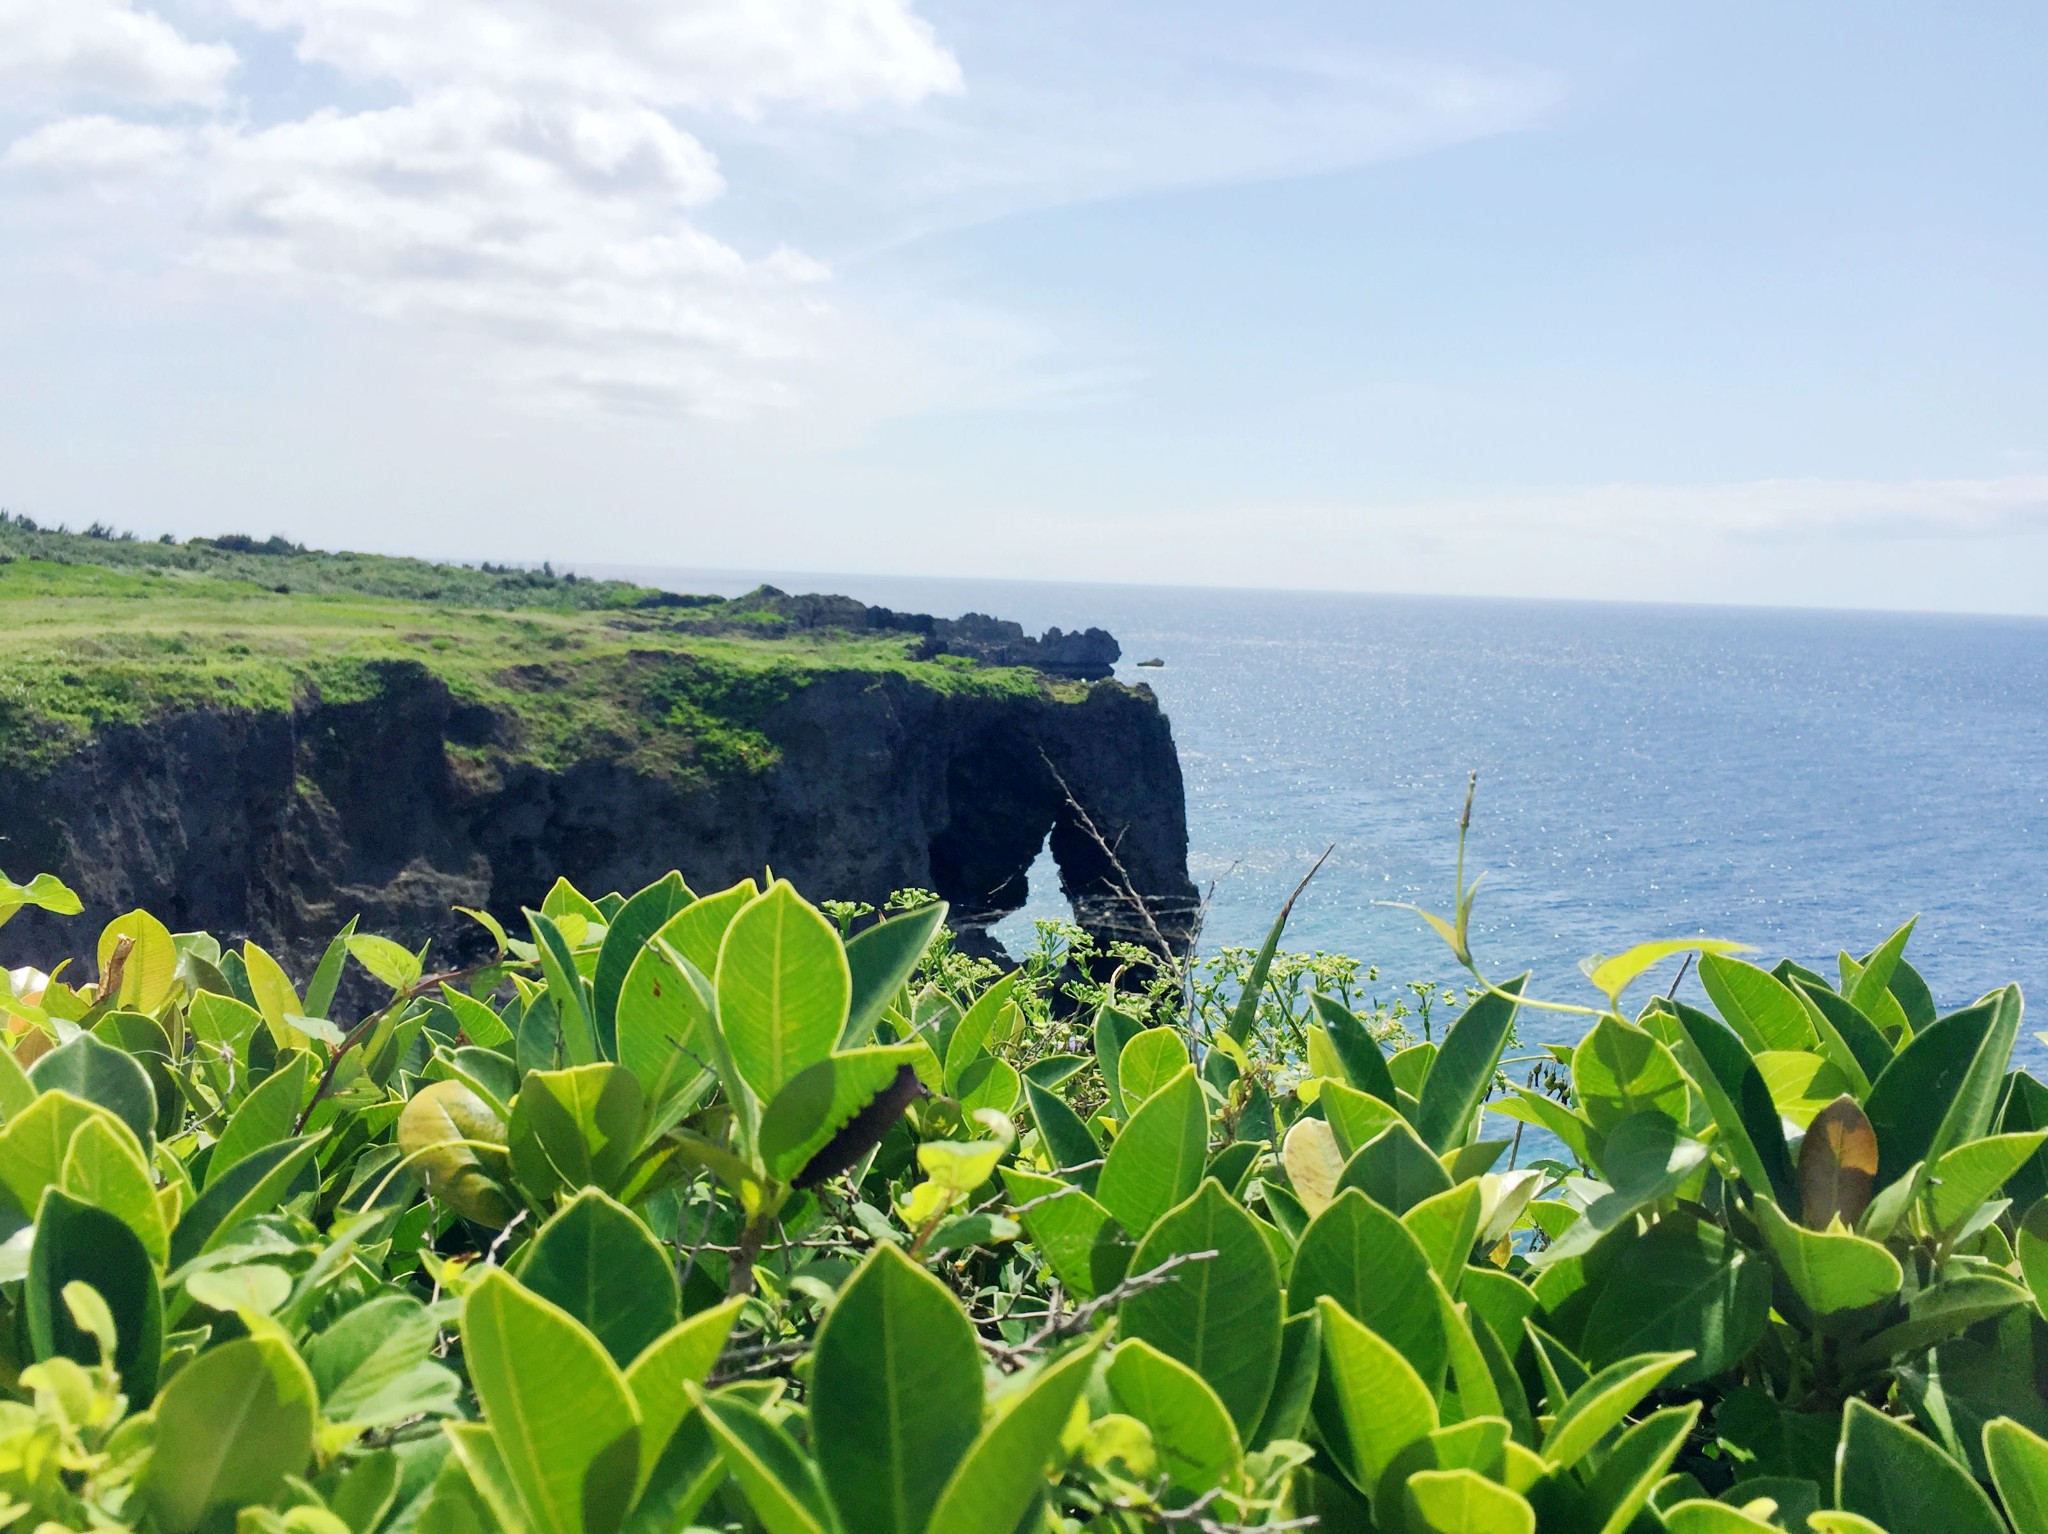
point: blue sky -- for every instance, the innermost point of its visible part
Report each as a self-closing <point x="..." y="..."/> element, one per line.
<point x="1724" y="303"/>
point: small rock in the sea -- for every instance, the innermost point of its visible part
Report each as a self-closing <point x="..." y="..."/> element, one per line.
<point x="1155" y="661"/>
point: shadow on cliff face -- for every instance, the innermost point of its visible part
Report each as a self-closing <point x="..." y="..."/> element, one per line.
<point x="282" y="826"/>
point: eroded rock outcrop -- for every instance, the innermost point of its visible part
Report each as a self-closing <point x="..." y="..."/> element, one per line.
<point x="282" y="825"/>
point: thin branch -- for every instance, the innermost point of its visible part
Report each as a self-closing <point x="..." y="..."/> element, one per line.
<point x="1062" y="1324"/>
<point x="1196" y="1516"/>
<point x="1129" y="890"/>
<point x="1684" y="965"/>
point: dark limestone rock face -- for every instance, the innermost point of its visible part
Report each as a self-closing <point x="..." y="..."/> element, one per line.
<point x="281" y="826"/>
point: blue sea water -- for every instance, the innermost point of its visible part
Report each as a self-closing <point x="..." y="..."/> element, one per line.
<point x="1801" y="781"/>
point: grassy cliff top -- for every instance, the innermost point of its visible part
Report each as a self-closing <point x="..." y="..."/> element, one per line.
<point x="102" y="630"/>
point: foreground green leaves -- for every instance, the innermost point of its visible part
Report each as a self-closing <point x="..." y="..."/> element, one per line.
<point x="699" y="1212"/>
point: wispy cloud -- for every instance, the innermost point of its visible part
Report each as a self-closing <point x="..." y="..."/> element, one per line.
<point x="541" y="191"/>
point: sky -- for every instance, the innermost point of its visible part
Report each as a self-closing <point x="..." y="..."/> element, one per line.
<point x="1719" y="302"/>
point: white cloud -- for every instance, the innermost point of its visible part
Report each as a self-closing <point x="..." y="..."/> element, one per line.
<point x="736" y="55"/>
<point x="52" y="51"/>
<point x="94" y="146"/>
<point x="529" y="207"/>
<point x="527" y="196"/>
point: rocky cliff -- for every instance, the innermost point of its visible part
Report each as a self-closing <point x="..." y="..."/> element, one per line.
<point x="282" y="823"/>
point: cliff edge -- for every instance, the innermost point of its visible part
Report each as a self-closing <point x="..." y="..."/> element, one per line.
<point x="258" y="760"/>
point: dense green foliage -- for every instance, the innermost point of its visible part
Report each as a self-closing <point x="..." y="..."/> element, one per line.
<point x="717" y="1211"/>
<point x="107" y="631"/>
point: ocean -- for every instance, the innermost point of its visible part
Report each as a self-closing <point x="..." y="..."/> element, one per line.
<point x="1800" y="781"/>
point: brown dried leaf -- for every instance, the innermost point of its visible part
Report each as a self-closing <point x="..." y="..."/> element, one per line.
<point x="1837" y="1165"/>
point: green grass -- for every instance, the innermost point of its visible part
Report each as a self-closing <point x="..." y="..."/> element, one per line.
<point x="676" y="691"/>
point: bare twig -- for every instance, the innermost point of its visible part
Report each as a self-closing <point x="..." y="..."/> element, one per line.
<point x="1128" y="890"/>
<point x="1060" y="1324"/>
<point x="1679" y="980"/>
<point x="1196" y="1516"/>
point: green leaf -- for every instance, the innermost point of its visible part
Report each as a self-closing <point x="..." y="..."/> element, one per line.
<point x="1533" y="1108"/>
<point x="895" y="1394"/>
<point x="564" y="899"/>
<point x="1064" y="1137"/>
<point x="1113" y="1030"/>
<point x="662" y="1377"/>
<point x="625" y="940"/>
<point x="779" y="1482"/>
<point x="1220" y="1316"/>
<point x="1363" y="1258"/>
<point x="2019" y="1469"/>
<point x="1680" y="1286"/>
<point x="1365" y="1064"/>
<point x="1631" y="1470"/>
<point x="1830" y="1270"/>
<point x="267" y="1115"/>
<point x="1613" y="976"/>
<point x="1696" y="1515"/>
<point x="1941" y="1089"/>
<point x="230" y="1427"/>
<point x="1396" y="1170"/>
<point x="1739" y="1099"/>
<point x="662" y="1027"/>
<point x="481" y="1025"/>
<point x="1064" y="1223"/>
<point x="1003" y="1470"/>
<point x="559" y="1408"/>
<point x="988" y="1083"/>
<point x="1464" y="1502"/>
<point x="1966" y="1176"/>
<point x="1619" y="1071"/>
<point x="397" y="966"/>
<point x="78" y="1243"/>
<point x="1943" y="1309"/>
<point x="1294" y="1384"/>
<point x="223" y="1025"/>
<point x="1846" y="1036"/>
<point x="1190" y="1426"/>
<point x="327" y="973"/>
<point x="1355" y="1118"/>
<point x="1902" y="1481"/>
<point x="446" y="1133"/>
<point x="1646" y="1160"/>
<point x="255" y="1185"/>
<point x="36" y="1140"/>
<point x="697" y="930"/>
<point x="1600" y="1405"/>
<point x="1462" y="1073"/>
<point x="96" y="1072"/>
<point x="1157" y="1160"/>
<point x="2031" y="1246"/>
<point x="783" y="988"/>
<point x="373" y="1367"/>
<point x="46" y="891"/>
<point x="1151" y="1059"/>
<point x="820" y="1100"/>
<point x="880" y="962"/>
<point x="1445" y="1225"/>
<point x="567" y="988"/>
<point x="575" y="1128"/>
<point x="601" y="1264"/>
<point x="151" y="972"/>
<point x="1245" y="1015"/>
<point x="972" y="1034"/>
<point x="1369" y="1402"/>
<point x="1756" y="1004"/>
<point x="102" y="1167"/>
